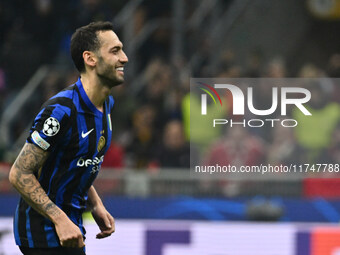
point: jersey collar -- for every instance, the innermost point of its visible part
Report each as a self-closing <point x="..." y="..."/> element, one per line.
<point x="86" y="98"/>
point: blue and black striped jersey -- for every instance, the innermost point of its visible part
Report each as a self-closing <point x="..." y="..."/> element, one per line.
<point x="77" y="135"/>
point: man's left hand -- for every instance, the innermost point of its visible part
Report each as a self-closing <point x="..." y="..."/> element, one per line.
<point x="104" y="220"/>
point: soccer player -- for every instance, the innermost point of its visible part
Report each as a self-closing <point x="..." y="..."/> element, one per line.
<point x="56" y="167"/>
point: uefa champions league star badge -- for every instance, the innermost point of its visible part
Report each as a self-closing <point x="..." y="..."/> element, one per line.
<point x="51" y="126"/>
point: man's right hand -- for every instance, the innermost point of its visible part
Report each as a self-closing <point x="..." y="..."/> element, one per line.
<point x="22" y="177"/>
<point x="69" y="234"/>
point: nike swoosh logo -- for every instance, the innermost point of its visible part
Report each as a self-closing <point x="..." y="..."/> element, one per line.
<point x="83" y="135"/>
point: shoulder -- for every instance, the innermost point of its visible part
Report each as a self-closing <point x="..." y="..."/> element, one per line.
<point x="63" y="102"/>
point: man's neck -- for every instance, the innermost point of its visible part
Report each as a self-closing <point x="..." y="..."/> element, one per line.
<point x="96" y="92"/>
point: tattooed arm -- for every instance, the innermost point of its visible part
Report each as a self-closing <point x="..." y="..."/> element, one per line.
<point x="21" y="176"/>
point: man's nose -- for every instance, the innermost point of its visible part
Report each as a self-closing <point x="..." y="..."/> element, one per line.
<point x="123" y="58"/>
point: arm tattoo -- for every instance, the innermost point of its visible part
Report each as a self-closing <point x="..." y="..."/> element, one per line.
<point x="38" y="196"/>
<point x="51" y="209"/>
<point x="29" y="161"/>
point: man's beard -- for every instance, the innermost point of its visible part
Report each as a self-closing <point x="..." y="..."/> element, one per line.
<point x="107" y="79"/>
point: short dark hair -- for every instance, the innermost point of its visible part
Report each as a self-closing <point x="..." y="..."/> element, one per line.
<point x="85" y="38"/>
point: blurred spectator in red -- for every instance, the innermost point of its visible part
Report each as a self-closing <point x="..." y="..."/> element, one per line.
<point x="328" y="186"/>
<point x="237" y="148"/>
<point x="114" y="156"/>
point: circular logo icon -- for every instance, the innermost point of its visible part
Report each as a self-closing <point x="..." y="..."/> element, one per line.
<point x="51" y="126"/>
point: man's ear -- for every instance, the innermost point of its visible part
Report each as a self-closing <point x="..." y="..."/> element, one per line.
<point x="89" y="58"/>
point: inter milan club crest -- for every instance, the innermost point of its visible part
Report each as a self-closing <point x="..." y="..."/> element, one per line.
<point x="101" y="143"/>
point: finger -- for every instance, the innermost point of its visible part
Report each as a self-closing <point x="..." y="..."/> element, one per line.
<point x="103" y="234"/>
<point x="108" y="231"/>
<point x="68" y="243"/>
<point x="107" y="222"/>
<point x="75" y="244"/>
<point x="112" y="222"/>
<point x="65" y="243"/>
<point x="80" y="243"/>
<point x="100" y="235"/>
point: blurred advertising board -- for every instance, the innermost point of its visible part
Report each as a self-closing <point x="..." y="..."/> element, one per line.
<point x="142" y="237"/>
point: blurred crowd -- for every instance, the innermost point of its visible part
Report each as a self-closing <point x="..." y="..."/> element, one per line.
<point x="152" y="124"/>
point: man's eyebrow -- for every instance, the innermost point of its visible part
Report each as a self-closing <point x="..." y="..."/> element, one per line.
<point x="118" y="47"/>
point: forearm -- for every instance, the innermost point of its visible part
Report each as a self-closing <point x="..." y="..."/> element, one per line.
<point x="24" y="181"/>
<point x="102" y="217"/>
<point x="32" y="192"/>
<point x="93" y="198"/>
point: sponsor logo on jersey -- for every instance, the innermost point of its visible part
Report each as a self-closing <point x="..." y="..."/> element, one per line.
<point x="95" y="163"/>
<point x="90" y="162"/>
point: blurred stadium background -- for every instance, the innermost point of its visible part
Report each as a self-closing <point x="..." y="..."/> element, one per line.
<point x="145" y="180"/>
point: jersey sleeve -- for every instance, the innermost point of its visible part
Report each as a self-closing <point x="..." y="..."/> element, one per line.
<point x="49" y="126"/>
